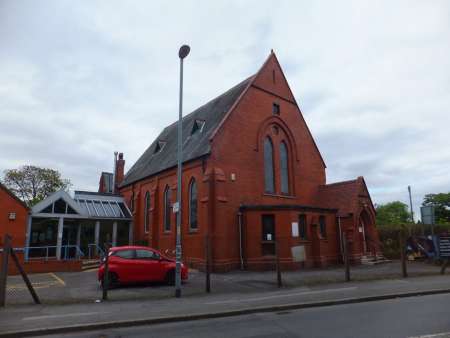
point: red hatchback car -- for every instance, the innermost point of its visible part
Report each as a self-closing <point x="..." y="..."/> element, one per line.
<point x="136" y="264"/>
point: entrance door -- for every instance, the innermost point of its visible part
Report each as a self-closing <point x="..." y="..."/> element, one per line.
<point x="268" y="235"/>
<point x="69" y="238"/>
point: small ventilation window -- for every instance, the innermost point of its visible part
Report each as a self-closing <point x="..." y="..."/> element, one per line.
<point x="159" y="146"/>
<point x="276" y="109"/>
<point x="197" y="127"/>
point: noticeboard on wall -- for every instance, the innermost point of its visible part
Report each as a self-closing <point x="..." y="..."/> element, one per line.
<point x="298" y="253"/>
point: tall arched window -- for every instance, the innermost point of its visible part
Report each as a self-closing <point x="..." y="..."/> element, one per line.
<point x="284" y="168"/>
<point x="147" y="212"/>
<point x="269" y="176"/>
<point x="167" y="210"/>
<point x="193" y="205"/>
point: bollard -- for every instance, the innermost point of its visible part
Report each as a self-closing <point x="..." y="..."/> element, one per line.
<point x="4" y="270"/>
<point x="106" y="274"/>
<point x="346" y="259"/>
<point x="401" y="240"/>
<point x="277" y="263"/>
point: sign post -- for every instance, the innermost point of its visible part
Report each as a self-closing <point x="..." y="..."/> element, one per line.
<point x="428" y="217"/>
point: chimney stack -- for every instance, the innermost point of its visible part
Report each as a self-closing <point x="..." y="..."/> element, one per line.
<point x="119" y="171"/>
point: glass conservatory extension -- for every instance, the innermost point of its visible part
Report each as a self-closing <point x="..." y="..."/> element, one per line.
<point x="66" y="227"/>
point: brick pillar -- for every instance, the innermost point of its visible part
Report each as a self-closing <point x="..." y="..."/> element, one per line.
<point x="130" y="233"/>
<point x="59" y="238"/>
<point x="114" y="234"/>
<point x="28" y="237"/>
<point x="97" y="236"/>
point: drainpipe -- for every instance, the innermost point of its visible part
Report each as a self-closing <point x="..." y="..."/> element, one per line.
<point x="240" y="240"/>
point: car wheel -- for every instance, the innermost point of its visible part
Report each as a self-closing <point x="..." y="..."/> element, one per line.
<point x="113" y="280"/>
<point x="170" y="277"/>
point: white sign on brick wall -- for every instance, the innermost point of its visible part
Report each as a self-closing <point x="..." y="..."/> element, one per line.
<point x="294" y="229"/>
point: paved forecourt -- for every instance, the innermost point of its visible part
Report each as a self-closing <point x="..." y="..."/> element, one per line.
<point x="83" y="287"/>
<point x="117" y="313"/>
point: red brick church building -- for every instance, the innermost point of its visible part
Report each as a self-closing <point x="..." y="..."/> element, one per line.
<point x="252" y="177"/>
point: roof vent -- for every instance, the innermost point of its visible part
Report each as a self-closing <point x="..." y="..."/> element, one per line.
<point x="159" y="146"/>
<point x="198" y="126"/>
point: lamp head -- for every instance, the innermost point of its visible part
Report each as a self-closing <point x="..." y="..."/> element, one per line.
<point x="184" y="51"/>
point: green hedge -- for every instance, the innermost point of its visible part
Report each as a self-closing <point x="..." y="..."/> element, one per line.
<point x="388" y="235"/>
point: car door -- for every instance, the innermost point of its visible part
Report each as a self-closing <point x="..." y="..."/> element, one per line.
<point x="148" y="265"/>
<point x="125" y="265"/>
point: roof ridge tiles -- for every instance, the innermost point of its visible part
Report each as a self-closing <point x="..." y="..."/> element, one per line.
<point x="338" y="183"/>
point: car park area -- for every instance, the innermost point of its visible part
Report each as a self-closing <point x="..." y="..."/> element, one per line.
<point x="83" y="287"/>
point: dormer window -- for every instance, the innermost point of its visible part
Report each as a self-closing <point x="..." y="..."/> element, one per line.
<point x="159" y="146"/>
<point x="197" y="127"/>
<point x="276" y="109"/>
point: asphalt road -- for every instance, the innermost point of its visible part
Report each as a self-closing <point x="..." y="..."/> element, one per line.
<point x="404" y="317"/>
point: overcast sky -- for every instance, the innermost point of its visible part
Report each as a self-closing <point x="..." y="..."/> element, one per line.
<point x="81" y="79"/>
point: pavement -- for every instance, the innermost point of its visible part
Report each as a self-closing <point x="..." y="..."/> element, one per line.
<point x="414" y="317"/>
<point x="82" y="287"/>
<point x="58" y="319"/>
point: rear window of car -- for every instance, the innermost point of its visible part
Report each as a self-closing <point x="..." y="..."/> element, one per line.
<point x="128" y="254"/>
<point x="146" y="254"/>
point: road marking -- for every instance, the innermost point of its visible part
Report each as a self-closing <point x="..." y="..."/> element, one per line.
<point x="57" y="278"/>
<point x="62" y="316"/>
<point x="256" y="299"/>
<point x="442" y="335"/>
<point x="56" y="281"/>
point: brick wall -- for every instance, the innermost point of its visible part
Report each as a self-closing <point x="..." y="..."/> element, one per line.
<point x="236" y="168"/>
<point x="17" y="227"/>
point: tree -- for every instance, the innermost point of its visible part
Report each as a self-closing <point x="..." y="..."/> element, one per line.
<point x="32" y="184"/>
<point x="441" y="204"/>
<point x="393" y="213"/>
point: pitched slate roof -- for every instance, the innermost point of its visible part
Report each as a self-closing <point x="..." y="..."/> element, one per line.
<point x="343" y="195"/>
<point x="194" y="146"/>
<point x="340" y="195"/>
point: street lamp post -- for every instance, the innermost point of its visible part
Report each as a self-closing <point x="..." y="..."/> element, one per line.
<point x="182" y="53"/>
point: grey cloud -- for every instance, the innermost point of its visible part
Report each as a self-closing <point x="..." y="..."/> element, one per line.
<point x="82" y="79"/>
